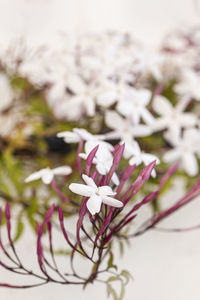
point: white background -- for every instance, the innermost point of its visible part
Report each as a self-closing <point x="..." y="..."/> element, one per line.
<point x="147" y="19"/>
<point x="165" y="266"/>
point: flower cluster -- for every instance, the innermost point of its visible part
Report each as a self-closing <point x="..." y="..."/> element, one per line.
<point x="114" y="80"/>
<point x="105" y="211"/>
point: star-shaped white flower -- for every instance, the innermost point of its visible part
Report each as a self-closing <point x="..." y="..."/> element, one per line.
<point x="77" y="134"/>
<point x="134" y="106"/>
<point x="184" y="151"/>
<point x="123" y="127"/>
<point x="137" y="157"/>
<point x="97" y="195"/>
<point x="172" y="118"/>
<point x="48" y="174"/>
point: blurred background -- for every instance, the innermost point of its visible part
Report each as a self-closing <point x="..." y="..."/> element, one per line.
<point x="147" y="20"/>
<point x="164" y="265"/>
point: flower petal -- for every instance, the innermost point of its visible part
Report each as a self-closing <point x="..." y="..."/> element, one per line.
<point x="190" y="164"/>
<point x="69" y="137"/>
<point x="101" y="168"/>
<point x="141" y="130"/>
<point x="94" y="204"/>
<point x="172" y="155"/>
<point x="115" y="179"/>
<point x="36" y="175"/>
<point x="114" y="120"/>
<point x="162" y="105"/>
<point x="90" y="182"/>
<point x="81" y="189"/>
<point x="47" y="177"/>
<point x="106" y="190"/>
<point x="147" y="116"/>
<point x="112" y="202"/>
<point x="64" y="170"/>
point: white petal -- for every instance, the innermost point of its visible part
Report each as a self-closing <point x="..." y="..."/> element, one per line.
<point x="141" y="130"/>
<point x="83" y="133"/>
<point x="144" y="96"/>
<point x="36" y="175"/>
<point x="81" y="189"/>
<point x="136" y="114"/>
<point x="160" y="123"/>
<point x="94" y="204"/>
<point x="107" y="98"/>
<point x="125" y="107"/>
<point x="187" y="119"/>
<point x="106" y="190"/>
<point x="69" y="137"/>
<point x="135" y="160"/>
<point x="90" y="182"/>
<point x="190" y="164"/>
<point x="153" y="173"/>
<point x="64" y="170"/>
<point x="89" y="106"/>
<point x="112" y="202"/>
<point x="115" y="179"/>
<point x="47" y="177"/>
<point x="162" y="106"/>
<point x="114" y="120"/>
<point x="101" y="168"/>
<point x="148" y="158"/>
<point x="76" y="84"/>
<point x="147" y="117"/>
<point x="83" y="155"/>
<point x="172" y="155"/>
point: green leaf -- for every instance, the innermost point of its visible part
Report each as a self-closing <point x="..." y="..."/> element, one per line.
<point x="110" y="262"/>
<point x="19" y="231"/>
<point x="111" y="291"/>
<point x="122" y="292"/>
<point x="126" y="274"/>
<point x="32" y="209"/>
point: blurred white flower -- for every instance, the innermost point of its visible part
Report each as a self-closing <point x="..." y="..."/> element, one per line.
<point x="172" y="118"/>
<point x="134" y="106"/>
<point x="138" y="157"/>
<point x="184" y="151"/>
<point x="48" y="174"/>
<point x="123" y="128"/>
<point x="103" y="160"/>
<point x="97" y="195"/>
<point x="189" y="84"/>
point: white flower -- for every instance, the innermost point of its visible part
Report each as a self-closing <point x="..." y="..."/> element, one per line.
<point x="137" y="156"/>
<point x="47" y="174"/>
<point x="6" y="93"/>
<point x="172" y="118"/>
<point x="184" y="151"/>
<point x="103" y="158"/>
<point x="134" y="106"/>
<point x="189" y="84"/>
<point x="123" y="128"/>
<point x="80" y="133"/>
<point x="97" y="195"/>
